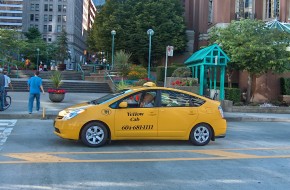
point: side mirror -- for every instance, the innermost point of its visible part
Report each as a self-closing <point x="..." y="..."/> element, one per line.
<point x="123" y="105"/>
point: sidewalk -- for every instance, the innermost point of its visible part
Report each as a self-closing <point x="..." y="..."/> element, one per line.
<point x="19" y="108"/>
<point x="19" y="105"/>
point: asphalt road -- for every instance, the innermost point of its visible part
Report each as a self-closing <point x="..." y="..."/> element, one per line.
<point x="252" y="156"/>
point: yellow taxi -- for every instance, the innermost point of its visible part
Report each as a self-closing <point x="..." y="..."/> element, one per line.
<point x="143" y="113"/>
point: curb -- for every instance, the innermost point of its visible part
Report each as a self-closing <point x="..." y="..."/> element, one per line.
<point x="256" y="119"/>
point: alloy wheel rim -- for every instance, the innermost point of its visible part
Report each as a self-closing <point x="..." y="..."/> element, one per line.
<point x="201" y="134"/>
<point x="95" y="135"/>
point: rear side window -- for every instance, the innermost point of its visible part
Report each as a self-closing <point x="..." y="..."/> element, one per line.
<point x="177" y="99"/>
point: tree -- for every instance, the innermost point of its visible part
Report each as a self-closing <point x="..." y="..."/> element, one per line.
<point x="131" y="19"/>
<point x="254" y="48"/>
<point x="9" y="44"/>
<point x="32" y="34"/>
<point x="62" y="47"/>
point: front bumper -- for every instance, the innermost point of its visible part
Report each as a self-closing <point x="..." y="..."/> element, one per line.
<point x="67" y="129"/>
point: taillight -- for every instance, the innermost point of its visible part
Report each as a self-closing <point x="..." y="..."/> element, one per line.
<point x="221" y="111"/>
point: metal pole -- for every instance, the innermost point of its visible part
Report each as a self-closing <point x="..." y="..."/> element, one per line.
<point x="113" y="51"/>
<point x="150" y="32"/>
<point x="149" y="56"/>
<point x="113" y="32"/>
<point x="165" y="69"/>
<point x="37" y="59"/>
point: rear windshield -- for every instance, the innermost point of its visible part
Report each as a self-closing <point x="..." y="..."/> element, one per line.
<point x="109" y="97"/>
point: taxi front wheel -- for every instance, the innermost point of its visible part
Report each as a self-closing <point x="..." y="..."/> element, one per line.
<point x="201" y="134"/>
<point x="94" y="134"/>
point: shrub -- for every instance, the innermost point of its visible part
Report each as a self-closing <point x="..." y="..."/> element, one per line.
<point x="122" y="85"/>
<point x="233" y="94"/>
<point x="161" y="72"/>
<point x="285" y="86"/>
<point x="182" y="72"/>
<point x="122" y="60"/>
<point x="55" y="78"/>
<point x="185" y="82"/>
<point x="137" y="72"/>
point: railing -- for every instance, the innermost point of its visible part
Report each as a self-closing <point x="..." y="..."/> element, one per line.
<point x="79" y="68"/>
<point x="107" y="74"/>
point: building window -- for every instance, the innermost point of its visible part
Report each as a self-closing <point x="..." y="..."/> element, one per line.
<point x="58" y="18"/>
<point x="272" y="9"/>
<point x="44" y="38"/>
<point x="49" y="39"/>
<point x="50" y="18"/>
<point x="49" y="28"/>
<point x="45" y="18"/>
<point x="32" y="7"/>
<point x="45" y="7"/>
<point x="64" y="8"/>
<point x="44" y="28"/>
<point x="210" y="11"/>
<point x="58" y="28"/>
<point x="51" y="7"/>
<point x="36" y="17"/>
<point x="59" y="7"/>
<point x="64" y="18"/>
<point x="245" y="9"/>
<point x="36" y="7"/>
<point x="31" y="17"/>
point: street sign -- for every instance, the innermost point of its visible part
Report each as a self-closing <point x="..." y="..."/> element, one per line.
<point x="170" y="51"/>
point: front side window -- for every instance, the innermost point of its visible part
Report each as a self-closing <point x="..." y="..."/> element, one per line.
<point x="177" y="99"/>
<point x="144" y="99"/>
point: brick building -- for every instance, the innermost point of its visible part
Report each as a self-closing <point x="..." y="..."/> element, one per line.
<point x="201" y="15"/>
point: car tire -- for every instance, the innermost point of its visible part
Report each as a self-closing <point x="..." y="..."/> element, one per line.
<point x="201" y="134"/>
<point x="94" y="134"/>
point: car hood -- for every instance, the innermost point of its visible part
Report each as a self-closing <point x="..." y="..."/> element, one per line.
<point x="84" y="105"/>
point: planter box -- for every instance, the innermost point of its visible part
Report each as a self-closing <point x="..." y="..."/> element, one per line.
<point x="285" y="98"/>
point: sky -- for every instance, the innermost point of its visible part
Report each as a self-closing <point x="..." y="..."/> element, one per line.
<point x="99" y="2"/>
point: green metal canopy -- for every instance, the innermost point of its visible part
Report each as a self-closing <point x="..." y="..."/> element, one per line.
<point x="279" y="25"/>
<point x="205" y="64"/>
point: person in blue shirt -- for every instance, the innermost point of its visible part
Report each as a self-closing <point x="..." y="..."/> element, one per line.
<point x="34" y="86"/>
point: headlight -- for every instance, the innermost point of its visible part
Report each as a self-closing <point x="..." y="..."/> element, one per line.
<point x="72" y="114"/>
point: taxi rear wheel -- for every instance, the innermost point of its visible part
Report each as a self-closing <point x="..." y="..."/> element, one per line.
<point x="201" y="134"/>
<point x="94" y="134"/>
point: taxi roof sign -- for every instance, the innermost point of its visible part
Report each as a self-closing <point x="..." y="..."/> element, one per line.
<point x="149" y="84"/>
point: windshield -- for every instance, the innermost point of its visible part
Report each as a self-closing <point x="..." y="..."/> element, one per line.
<point x="109" y="97"/>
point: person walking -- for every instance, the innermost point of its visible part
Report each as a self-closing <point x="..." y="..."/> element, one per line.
<point x="2" y="89"/>
<point x="34" y="86"/>
<point x="7" y="85"/>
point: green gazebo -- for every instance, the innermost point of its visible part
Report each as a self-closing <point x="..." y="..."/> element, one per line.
<point x="205" y="65"/>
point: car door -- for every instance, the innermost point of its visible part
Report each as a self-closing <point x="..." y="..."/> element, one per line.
<point x="176" y="114"/>
<point x="135" y="121"/>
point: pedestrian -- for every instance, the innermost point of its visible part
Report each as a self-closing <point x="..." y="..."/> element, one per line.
<point x="34" y="86"/>
<point x="7" y="85"/>
<point x="2" y="89"/>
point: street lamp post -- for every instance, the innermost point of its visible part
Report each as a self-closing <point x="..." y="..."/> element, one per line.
<point x="113" y="32"/>
<point x="150" y="32"/>
<point x="37" y="59"/>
